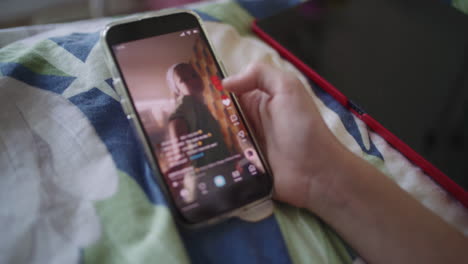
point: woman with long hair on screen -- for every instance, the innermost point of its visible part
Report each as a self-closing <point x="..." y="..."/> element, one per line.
<point x="193" y="116"/>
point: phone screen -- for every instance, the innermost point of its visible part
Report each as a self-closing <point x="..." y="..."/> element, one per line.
<point x="204" y="151"/>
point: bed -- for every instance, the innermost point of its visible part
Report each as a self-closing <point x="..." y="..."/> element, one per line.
<point x="74" y="183"/>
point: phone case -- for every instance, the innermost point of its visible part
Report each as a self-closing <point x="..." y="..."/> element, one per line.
<point x="443" y="180"/>
<point x="254" y="211"/>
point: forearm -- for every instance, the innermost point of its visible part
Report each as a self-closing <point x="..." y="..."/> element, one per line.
<point x="380" y="220"/>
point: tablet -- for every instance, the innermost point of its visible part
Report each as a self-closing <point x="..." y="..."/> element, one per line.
<point x="401" y="66"/>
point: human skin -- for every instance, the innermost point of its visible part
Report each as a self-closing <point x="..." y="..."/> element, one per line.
<point x="313" y="170"/>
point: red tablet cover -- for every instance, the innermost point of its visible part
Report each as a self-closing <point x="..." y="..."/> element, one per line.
<point x="443" y="180"/>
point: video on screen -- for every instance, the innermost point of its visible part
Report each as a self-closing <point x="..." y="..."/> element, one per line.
<point x="194" y="128"/>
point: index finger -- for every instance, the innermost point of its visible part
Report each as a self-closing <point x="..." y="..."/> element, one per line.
<point x="259" y="76"/>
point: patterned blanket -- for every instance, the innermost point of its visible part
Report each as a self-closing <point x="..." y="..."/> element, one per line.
<point x="74" y="183"/>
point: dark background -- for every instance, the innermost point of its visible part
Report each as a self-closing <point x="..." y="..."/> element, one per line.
<point x="403" y="62"/>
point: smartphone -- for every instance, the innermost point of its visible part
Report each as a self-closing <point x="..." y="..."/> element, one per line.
<point x="194" y="134"/>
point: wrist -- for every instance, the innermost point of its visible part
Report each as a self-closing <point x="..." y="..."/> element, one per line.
<point x="331" y="188"/>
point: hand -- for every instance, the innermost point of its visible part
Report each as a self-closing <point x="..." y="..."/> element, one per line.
<point x="314" y="171"/>
<point x="290" y="130"/>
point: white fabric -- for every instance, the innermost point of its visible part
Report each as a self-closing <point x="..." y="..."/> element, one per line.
<point x="53" y="166"/>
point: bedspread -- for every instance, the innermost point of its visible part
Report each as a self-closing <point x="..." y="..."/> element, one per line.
<point x="74" y="183"/>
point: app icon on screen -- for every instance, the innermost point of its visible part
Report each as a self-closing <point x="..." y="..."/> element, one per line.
<point x="225" y="99"/>
<point x="219" y="181"/>
<point x="203" y="188"/>
<point x="234" y="118"/>
<point x="235" y="174"/>
<point x="184" y="193"/>
<point x="241" y="134"/>
<point x="252" y="169"/>
<point x="250" y="153"/>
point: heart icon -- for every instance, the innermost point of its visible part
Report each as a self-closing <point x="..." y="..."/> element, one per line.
<point x="226" y="101"/>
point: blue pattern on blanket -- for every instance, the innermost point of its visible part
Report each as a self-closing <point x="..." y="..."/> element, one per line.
<point x="236" y="241"/>
<point x="78" y="44"/>
<point x="107" y="117"/>
<point x="110" y="83"/>
<point x="53" y="83"/>
<point x="347" y="119"/>
<point x="262" y="9"/>
<point x="205" y="16"/>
